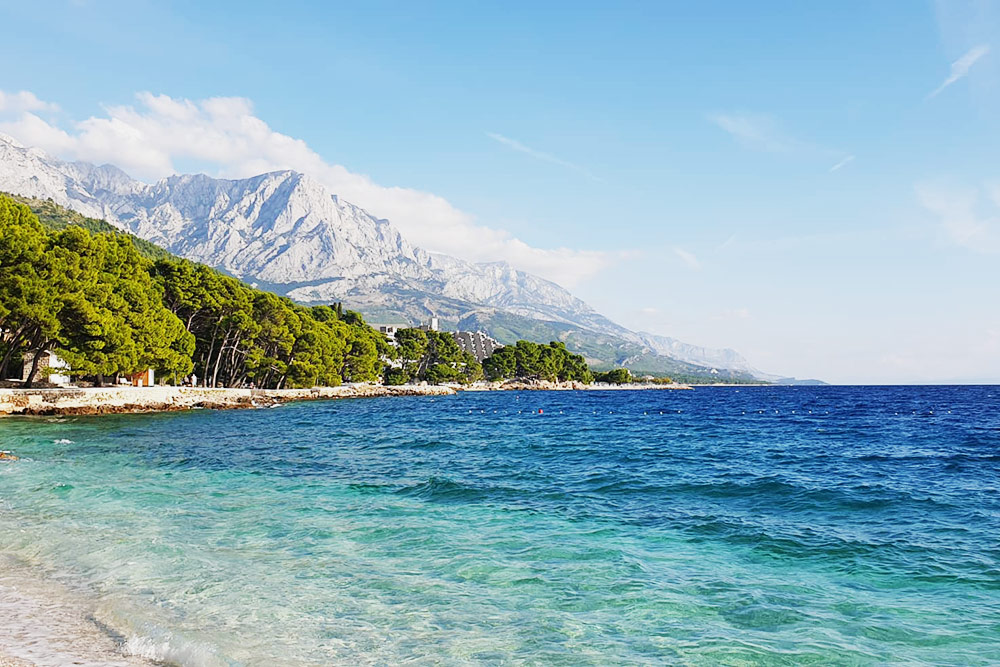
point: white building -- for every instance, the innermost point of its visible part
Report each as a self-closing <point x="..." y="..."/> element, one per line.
<point x="476" y="343"/>
<point x="57" y="369"/>
<point x="389" y="330"/>
<point x="433" y="325"/>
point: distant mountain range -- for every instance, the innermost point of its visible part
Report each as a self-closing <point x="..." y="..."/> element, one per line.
<point x="285" y="232"/>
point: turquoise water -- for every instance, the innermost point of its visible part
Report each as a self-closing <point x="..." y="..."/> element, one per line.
<point x="720" y="526"/>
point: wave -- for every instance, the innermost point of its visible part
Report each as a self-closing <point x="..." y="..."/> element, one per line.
<point x="170" y="650"/>
<point x="442" y="489"/>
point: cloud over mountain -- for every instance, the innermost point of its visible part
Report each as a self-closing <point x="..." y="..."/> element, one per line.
<point x="223" y="133"/>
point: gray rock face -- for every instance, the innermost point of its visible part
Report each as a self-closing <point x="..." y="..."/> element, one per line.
<point x="284" y="231"/>
<point x="695" y="354"/>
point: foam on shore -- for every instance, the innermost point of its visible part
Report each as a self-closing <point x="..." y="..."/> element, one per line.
<point x="45" y="624"/>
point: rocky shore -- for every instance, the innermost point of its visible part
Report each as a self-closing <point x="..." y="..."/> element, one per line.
<point x="108" y="400"/>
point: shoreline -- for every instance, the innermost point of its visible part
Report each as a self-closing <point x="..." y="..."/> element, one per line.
<point x="119" y="400"/>
<point x="124" y="400"/>
<point x="48" y="623"/>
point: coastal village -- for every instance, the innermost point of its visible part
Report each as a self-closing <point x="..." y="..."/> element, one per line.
<point x="58" y="373"/>
<point x="64" y="393"/>
<point x="94" y="322"/>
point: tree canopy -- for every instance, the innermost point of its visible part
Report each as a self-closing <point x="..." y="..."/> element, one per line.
<point x="431" y="356"/>
<point x="107" y="310"/>
<point x="537" y="361"/>
<point x="110" y="305"/>
<point x="616" y="376"/>
<point x="88" y="296"/>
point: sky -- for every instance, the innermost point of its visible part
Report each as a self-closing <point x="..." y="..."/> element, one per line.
<point x="815" y="185"/>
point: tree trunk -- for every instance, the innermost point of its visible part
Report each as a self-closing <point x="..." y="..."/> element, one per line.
<point x="211" y="350"/>
<point x="34" y="368"/>
<point x="218" y="358"/>
<point x="234" y="367"/>
<point x="15" y="342"/>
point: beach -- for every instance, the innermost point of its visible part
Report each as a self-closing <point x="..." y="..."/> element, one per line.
<point x="45" y="623"/>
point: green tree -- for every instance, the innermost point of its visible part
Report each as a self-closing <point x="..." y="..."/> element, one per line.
<point x="28" y="299"/>
<point x="614" y="376"/>
<point x="501" y="365"/>
<point x="392" y="375"/>
<point x="531" y="361"/>
<point x="112" y="318"/>
<point x="412" y="347"/>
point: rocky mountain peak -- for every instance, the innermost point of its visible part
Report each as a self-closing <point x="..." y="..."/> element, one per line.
<point x="285" y="230"/>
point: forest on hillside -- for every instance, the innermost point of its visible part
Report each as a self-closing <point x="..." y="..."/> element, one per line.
<point x="112" y="305"/>
<point x="109" y="311"/>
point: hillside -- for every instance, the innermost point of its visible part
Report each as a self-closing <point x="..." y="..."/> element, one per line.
<point x="55" y="217"/>
<point x="284" y="232"/>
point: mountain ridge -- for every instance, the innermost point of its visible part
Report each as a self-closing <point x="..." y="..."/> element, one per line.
<point x="285" y="230"/>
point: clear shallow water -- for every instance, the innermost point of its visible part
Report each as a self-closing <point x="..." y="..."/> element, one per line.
<point x="740" y="526"/>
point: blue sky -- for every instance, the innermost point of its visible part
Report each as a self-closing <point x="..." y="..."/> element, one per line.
<point x="814" y="186"/>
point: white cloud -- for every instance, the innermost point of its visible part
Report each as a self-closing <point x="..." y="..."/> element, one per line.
<point x="539" y="155"/>
<point x="969" y="217"/>
<point x="688" y="258"/>
<point x="843" y="163"/>
<point x="222" y="132"/>
<point x="756" y="132"/>
<point x="763" y="133"/>
<point x="23" y="101"/>
<point x="960" y="68"/>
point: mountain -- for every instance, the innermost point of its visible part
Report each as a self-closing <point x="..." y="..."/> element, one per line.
<point x="284" y="231"/>
<point x="695" y="354"/>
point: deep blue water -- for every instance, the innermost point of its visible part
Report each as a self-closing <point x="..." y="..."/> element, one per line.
<point x="756" y="525"/>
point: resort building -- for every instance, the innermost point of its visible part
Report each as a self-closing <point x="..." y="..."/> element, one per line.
<point x="390" y="329"/>
<point x="433" y="325"/>
<point x="476" y="343"/>
<point x="51" y="368"/>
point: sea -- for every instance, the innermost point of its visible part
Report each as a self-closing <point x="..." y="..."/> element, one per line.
<point x="719" y="526"/>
